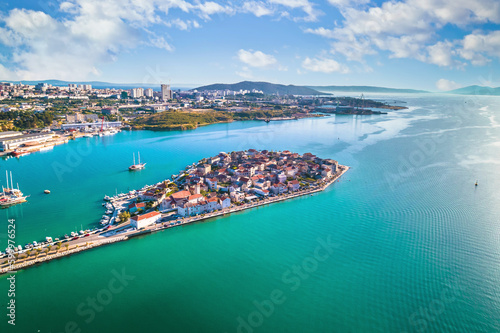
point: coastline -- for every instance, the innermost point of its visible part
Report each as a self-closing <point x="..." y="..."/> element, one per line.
<point x="86" y="244"/>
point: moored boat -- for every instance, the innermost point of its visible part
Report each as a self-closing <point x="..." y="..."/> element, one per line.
<point x="18" y="152"/>
<point x="11" y="196"/>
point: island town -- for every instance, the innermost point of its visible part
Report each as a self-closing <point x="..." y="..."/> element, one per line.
<point x="214" y="186"/>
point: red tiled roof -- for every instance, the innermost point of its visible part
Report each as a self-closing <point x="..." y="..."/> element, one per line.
<point x="181" y="194"/>
<point x="195" y="196"/>
<point x="145" y="216"/>
<point x="138" y="205"/>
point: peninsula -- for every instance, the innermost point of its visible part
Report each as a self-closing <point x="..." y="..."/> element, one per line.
<point x="215" y="186"/>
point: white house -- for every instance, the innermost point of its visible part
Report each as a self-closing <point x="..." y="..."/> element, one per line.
<point x="264" y="193"/>
<point x="327" y="172"/>
<point x="225" y="202"/>
<point x="237" y="196"/>
<point x="141" y="221"/>
<point x="204" y="168"/>
<point x="195" y="198"/>
<point x="281" y="177"/>
<point x="212" y="183"/>
<point x="291" y="172"/>
<point x="293" y="185"/>
<point x="278" y="188"/>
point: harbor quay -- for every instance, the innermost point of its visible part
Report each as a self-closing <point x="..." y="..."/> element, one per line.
<point x="192" y="196"/>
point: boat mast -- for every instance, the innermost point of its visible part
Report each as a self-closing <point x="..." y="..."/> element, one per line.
<point x="138" y="153"/>
<point x="133" y="154"/>
<point x="7" y="176"/>
<point x="11" y="183"/>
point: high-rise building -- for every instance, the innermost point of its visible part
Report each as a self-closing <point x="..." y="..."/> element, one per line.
<point x="148" y="93"/>
<point x="137" y="92"/>
<point x="41" y="86"/>
<point x="166" y="93"/>
<point x="85" y="86"/>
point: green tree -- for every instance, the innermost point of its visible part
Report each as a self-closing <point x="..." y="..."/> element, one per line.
<point x="124" y="216"/>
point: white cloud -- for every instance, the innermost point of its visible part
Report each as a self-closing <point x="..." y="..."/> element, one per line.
<point x="89" y="34"/>
<point x="441" y="54"/>
<point x="256" y="59"/>
<point x="160" y="43"/>
<point x="477" y="44"/>
<point x="447" y="85"/>
<point x="347" y="3"/>
<point x="324" y="65"/>
<point x="80" y="43"/>
<point x="210" y="8"/>
<point x="304" y="5"/>
<point x="352" y="47"/>
<point x="410" y="29"/>
<point x="183" y="24"/>
<point x="327" y="33"/>
<point x="257" y="8"/>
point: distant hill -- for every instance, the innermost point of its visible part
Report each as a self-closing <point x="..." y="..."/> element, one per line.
<point x="100" y="84"/>
<point x="476" y="90"/>
<point x="366" y="89"/>
<point x="266" y="87"/>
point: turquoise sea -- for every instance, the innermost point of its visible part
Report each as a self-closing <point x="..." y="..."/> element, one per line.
<point x="403" y="243"/>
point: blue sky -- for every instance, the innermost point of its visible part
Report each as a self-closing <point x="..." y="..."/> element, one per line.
<point x="431" y="44"/>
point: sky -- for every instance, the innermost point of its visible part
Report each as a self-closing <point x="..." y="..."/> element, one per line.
<point x="421" y="44"/>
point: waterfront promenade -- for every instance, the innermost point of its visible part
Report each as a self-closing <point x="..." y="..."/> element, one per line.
<point x="116" y="234"/>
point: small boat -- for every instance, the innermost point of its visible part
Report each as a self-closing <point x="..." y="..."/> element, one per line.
<point x="476" y="183"/>
<point x="138" y="166"/>
<point x="48" y="239"/>
<point x="107" y="198"/>
<point x="46" y="148"/>
<point x="18" y="152"/>
<point x="46" y="192"/>
<point x="66" y="236"/>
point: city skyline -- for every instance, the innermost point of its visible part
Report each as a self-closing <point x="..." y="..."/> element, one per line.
<point x="408" y="44"/>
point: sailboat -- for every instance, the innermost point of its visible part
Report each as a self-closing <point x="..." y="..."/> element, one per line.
<point x="11" y="196"/>
<point x="138" y="166"/>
